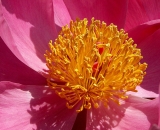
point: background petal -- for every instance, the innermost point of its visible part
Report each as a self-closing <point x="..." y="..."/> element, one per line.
<point x="141" y="11"/>
<point x="106" y="10"/>
<point x="26" y="28"/>
<point x="33" y="107"/>
<point x="12" y="69"/>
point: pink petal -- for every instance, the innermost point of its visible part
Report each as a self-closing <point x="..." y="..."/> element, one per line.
<point x="138" y="115"/>
<point x="33" y="107"/>
<point x="61" y="14"/>
<point x="12" y="69"/>
<point x="14" y="106"/>
<point x="141" y="11"/>
<point x="26" y="28"/>
<point x="105" y="10"/>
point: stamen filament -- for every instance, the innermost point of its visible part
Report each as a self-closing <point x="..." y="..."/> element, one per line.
<point x="95" y="63"/>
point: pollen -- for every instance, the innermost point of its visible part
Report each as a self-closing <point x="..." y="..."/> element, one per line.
<point x="92" y="63"/>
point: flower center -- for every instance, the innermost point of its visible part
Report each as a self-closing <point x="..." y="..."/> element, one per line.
<point x="93" y="63"/>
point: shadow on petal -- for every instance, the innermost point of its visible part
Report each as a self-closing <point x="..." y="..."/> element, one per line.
<point x="49" y="111"/>
<point x="105" y="118"/>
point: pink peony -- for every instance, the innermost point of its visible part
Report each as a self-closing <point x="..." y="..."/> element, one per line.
<point x="26" y="101"/>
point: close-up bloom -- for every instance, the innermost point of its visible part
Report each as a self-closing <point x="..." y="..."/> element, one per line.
<point x="79" y="65"/>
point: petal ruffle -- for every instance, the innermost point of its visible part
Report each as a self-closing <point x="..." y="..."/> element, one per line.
<point x="141" y="92"/>
<point x="26" y="28"/>
<point x="141" y="11"/>
<point x="33" y="107"/>
<point x="136" y="115"/>
<point x="12" y="69"/>
<point x="106" y="10"/>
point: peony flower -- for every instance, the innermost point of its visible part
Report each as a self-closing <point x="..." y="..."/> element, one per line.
<point x="33" y="92"/>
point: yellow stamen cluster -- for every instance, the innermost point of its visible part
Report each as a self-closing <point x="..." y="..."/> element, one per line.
<point x="93" y="63"/>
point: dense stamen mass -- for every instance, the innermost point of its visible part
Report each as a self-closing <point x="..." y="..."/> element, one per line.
<point x="94" y="63"/>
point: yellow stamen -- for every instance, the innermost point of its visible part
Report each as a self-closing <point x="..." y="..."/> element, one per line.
<point x="94" y="63"/>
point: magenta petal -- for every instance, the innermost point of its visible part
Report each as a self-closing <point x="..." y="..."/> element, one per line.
<point x="26" y="28"/>
<point x="12" y="69"/>
<point x="146" y="36"/>
<point x="150" y="51"/>
<point x="141" y="11"/>
<point x="138" y="115"/>
<point x="141" y="32"/>
<point x="106" y="10"/>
